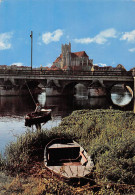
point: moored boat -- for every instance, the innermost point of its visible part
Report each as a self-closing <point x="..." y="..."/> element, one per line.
<point x="37" y="118"/>
<point x="67" y="159"/>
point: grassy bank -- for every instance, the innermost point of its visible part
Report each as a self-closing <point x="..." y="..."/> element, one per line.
<point x="107" y="135"/>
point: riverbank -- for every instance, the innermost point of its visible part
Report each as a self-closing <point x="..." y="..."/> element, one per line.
<point x="107" y="135"/>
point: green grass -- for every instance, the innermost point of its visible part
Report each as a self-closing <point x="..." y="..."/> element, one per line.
<point x="109" y="138"/>
<point x="107" y="135"/>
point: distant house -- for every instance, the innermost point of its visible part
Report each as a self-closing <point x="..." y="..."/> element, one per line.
<point x="104" y="68"/>
<point x="120" y="67"/>
<point x="3" y="67"/>
<point x="15" y="67"/>
<point x="72" y="60"/>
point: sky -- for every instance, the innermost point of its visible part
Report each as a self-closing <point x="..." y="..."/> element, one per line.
<point x="104" y="29"/>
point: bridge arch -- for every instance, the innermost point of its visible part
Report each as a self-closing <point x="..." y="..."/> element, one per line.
<point x="96" y="88"/>
<point x="70" y="87"/>
<point x="35" y="86"/>
<point x="31" y="84"/>
<point x="123" y="88"/>
<point x="8" y="84"/>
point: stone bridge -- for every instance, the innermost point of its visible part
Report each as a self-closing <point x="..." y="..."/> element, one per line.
<point x="17" y="82"/>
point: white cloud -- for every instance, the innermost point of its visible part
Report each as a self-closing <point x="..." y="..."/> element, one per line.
<point x="5" y="40"/>
<point x="101" y="64"/>
<point x="101" y="38"/>
<point x="132" y="50"/>
<point x="17" y="63"/>
<point x="49" y="65"/>
<point x="84" y="40"/>
<point x="129" y="36"/>
<point x="52" y="37"/>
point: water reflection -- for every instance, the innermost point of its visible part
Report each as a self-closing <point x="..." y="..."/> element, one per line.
<point x="81" y="90"/>
<point x="91" y="103"/>
<point x="121" y="95"/>
<point x="42" y="99"/>
<point x="13" y="126"/>
<point x="16" y="105"/>
<point x="121" y="99"/>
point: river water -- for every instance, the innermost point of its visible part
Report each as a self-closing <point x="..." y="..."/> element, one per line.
<point x="13" y="110"/>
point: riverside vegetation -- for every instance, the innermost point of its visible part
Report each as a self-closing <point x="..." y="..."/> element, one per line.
<point x="107" y="135"/>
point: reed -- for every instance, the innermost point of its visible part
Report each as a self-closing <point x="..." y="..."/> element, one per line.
<point x="28" y="148"/>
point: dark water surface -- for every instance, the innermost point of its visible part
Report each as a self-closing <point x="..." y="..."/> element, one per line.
<point x="13" y="110"/>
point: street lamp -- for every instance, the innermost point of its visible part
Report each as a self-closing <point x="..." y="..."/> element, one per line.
<point x="31" y="36"/>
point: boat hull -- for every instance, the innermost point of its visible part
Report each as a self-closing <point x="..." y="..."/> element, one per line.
<point x="34" y="119"/>
<point x="68" y="160"/>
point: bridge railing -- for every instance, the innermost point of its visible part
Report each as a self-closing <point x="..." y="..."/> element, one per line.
<point x="64" y="73"/>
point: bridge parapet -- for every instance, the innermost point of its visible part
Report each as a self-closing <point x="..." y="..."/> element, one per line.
<point x="67" y="72"/>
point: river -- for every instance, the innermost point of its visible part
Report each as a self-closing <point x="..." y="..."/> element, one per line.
<point x="14" y="108"/>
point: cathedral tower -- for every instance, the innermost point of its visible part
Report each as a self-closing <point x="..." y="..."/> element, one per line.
<point x="66" y="55"/>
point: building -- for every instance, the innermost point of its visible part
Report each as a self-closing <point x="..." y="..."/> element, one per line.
<point x="72" y="60"/>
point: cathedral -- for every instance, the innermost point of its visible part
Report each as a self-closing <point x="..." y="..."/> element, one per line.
<point x="72" y="60"/>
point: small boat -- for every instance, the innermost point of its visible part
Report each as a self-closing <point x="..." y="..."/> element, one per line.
<point x="37" y="118"/>
<point x="67" y="159"/>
